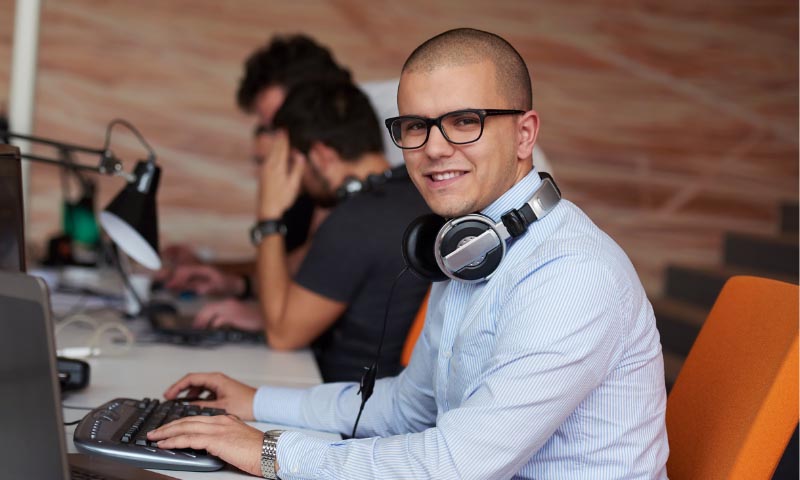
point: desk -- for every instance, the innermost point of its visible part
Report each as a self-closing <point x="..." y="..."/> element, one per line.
<point x="146" y="370"/>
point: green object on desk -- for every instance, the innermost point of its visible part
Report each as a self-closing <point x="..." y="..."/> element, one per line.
<point x="79" y="222"/>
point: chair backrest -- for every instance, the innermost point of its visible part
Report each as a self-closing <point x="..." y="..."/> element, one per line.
<point x="735" y="402"/>
<point x="414" y="331"/>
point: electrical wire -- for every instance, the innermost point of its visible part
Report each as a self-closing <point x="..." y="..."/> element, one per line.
<point x="367" y="384"/>
<point x="92" y="348"/>
<point x="76" y="407"/>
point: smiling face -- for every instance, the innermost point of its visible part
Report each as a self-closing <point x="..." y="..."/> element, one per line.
<point x="456" y="180"/>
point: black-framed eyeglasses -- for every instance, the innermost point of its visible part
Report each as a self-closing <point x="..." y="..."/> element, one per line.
<point x="458" y="127"/>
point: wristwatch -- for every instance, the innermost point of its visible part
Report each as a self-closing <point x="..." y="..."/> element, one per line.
<point x="269" y="453"/>
<point x="265" y="228"/>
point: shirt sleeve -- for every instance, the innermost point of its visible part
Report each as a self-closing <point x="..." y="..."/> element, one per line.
<point x="400" y="404"/>
<point x="531" y="384"/>
<point x="341" y="251"/>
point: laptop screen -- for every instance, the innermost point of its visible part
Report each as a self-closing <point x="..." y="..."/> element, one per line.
<point x="12" y="240"/>
<point x="32" y="444"/>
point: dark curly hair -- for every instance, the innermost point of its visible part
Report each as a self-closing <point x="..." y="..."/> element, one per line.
<point x="286" y="61"/>
<point x="337" y="114"/>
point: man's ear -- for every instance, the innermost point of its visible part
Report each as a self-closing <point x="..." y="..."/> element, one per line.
<point x="527" y="129"/>
<point x="322" y="156"/>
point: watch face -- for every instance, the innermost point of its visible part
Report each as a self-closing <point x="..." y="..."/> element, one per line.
<point x="255" y="236"/>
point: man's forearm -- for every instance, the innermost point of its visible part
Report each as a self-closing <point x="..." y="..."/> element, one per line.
<point x="273" y="287"/>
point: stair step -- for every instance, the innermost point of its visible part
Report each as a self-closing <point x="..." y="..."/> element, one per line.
<point x="700" y="286"/>
<point x="678" y="324"/>
<point x="766" y="253"/>
<point x="789" y="217"/>
<point x="672" y="367"/>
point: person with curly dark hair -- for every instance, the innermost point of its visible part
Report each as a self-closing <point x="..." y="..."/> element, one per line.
<point x="274" y="69"/>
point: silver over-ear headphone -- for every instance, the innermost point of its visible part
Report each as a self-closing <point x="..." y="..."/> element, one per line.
<point x="471" y="247"/>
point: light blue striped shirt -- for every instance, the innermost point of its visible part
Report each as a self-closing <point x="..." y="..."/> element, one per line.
<point x="551" y="369"/>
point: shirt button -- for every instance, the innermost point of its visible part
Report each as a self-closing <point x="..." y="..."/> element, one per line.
<point x="448" y="354"/>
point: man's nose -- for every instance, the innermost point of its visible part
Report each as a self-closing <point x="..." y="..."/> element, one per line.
<point x="437" y="145"/>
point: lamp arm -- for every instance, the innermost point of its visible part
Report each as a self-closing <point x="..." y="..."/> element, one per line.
<point x="53" y="143"/>
<point x="109" y="164"/>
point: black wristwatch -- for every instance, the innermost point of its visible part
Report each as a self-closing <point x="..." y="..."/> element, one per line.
<point x="265" y="228"/>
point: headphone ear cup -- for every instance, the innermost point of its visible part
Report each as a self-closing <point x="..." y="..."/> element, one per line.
<point x="418" y="247"/>
<point x="349" y="188"/>
<point x="463" y="230"/>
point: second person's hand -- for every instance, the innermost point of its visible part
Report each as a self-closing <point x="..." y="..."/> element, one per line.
<point x="229" y="313"/>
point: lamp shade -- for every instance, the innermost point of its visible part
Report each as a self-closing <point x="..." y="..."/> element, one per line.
<point x="131" y="219"/>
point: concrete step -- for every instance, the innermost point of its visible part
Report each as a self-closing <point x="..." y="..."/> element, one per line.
<point x="777" y="254"/>
<point x="701" y="285"/>
<point x="789" y="219"/>
<point x="678" y="324"/>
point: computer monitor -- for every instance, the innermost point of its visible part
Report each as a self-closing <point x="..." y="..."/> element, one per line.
<point x="12" y="238"/>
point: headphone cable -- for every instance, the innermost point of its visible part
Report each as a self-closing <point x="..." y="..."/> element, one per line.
<point x="367" y="384"/>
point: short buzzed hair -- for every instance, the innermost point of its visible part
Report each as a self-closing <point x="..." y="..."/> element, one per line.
<point x="465" y="46"/>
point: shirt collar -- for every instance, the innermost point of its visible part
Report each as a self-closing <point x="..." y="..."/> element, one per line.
<point x="515" y="197"/>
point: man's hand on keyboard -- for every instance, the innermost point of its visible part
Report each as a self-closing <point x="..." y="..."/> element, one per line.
<point x="233" y="396"/>
<point x="229" y="313"/>
<point x="204" y="280"/>
<point x="223" y="436"/>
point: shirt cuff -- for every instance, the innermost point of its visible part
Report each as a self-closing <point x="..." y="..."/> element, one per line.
<point x="300" y="456"/>
<point x="278" y="405"/>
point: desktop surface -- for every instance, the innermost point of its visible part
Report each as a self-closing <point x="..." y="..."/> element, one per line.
<point x="146" y="370"/>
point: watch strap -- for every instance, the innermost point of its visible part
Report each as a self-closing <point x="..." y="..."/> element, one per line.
<point x="269" y="454"/>
<point x="265" y="228"/>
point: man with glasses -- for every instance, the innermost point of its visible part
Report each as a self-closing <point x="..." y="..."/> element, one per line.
<point x="550" y="368"/>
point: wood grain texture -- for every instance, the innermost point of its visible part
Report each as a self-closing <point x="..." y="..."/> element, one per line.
<point x="667" y="122"/>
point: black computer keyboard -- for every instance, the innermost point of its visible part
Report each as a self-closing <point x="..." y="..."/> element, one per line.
<point x="119" y="429"/>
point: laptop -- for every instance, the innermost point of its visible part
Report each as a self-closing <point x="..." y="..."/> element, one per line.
<point x="33" y="442"/>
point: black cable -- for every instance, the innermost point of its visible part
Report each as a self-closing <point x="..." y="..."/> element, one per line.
<point x="367" y="384"/>
<point x="76" y="407"/>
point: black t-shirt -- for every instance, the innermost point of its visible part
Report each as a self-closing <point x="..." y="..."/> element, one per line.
<point x="354" y="258"/>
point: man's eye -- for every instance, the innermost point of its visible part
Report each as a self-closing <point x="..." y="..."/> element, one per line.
<point x="466" y="121"/>
<point x="414" y="126"/>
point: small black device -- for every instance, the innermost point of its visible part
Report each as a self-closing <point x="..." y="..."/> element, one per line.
<point x="72" y="374"/>
<point x="119" y="428"/>
<point x="470" y="248"/>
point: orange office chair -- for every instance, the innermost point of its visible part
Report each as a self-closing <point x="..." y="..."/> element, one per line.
<point x="735" y="402"/>
<point x="414" y="331"/>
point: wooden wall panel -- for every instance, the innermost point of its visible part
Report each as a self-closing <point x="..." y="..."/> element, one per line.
<point x="668" y="122"/>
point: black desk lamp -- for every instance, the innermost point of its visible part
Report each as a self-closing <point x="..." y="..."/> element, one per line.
<point x="130" y="219"/>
